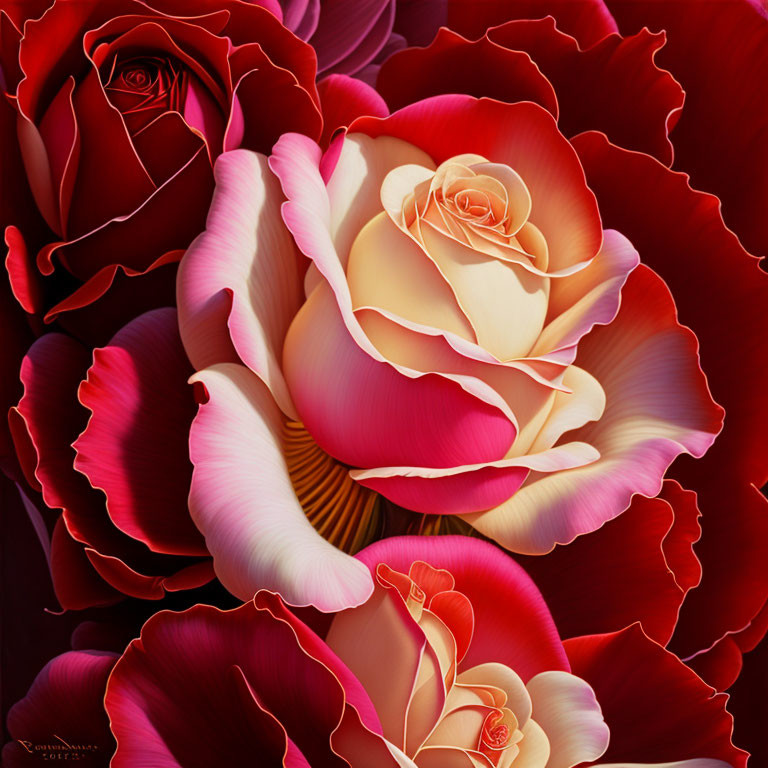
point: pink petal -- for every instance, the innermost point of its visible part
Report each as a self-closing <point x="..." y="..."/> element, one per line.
<point x="239" y="284"/>
<point x="204" y="687"/>
<point x="587" y="298"/>
<point x="457" y="490"/>
<point x="366" y="413"/>
<point x="243" y="501"/>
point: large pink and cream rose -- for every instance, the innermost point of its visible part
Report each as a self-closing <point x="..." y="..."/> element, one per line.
<point x="454" y="661"/>
<point x="462" y="338"/>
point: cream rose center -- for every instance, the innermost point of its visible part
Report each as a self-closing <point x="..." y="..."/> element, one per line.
<point x="474" y="265"/>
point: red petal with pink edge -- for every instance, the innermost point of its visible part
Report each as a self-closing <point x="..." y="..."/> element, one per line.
<point x="135" y="445"/>
<point x="159" y="709"/>
<point x="461" y="493"/>
<point x="44" y="425"/>
<point x="428" y="420"/>
<point x="613" y="86"/>
<point x="11" y="22"/>
<point x="513" y="625"/>
<point x="637" y="682"/>
<point x="343" y="99"/>
<point x="15" y="338"/>
<point x="722" y="295"/>
<point x="451" y="64"/>
<point x="262" y="82"/>
<point x="618" y="574"/>
<point x="588" y="21"/>
<point x="523" y="136"/>
<point x="736" y="171"/>
<point x="97" y="197"/>
<point x="65" y="701"/>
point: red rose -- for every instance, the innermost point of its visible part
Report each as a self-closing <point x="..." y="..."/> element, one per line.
<point x="113" y="116"/>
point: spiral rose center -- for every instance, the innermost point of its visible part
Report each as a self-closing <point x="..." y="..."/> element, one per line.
<point x="143" y="88"/>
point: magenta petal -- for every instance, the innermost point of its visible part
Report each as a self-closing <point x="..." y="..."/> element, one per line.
<point x="207" y="687"/>
<point x="513" y="625"/>
<point x="66" y="701"/>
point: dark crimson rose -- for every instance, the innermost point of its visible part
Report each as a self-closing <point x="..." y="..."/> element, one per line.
<point x="121" y="110"/>
<point x="112" y="116"/>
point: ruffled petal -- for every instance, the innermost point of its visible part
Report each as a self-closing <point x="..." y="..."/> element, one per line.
<point x="627" y="671"/>
<point x="722" y="294"/>
<point x="657" y="406"/>
<point x="135" y="445"/>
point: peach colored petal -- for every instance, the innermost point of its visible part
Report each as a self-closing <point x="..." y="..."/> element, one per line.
<point x="657" y="407"/>
<point x="583" y="404"/>
<point x="450" y="757"/>
<point x="523" y="136"/>
<point x="460" y="727"/>
<point x="501" y="676"/>
<point x="426" y="702"/>
<point x="383" y="647"/>
<point x="354" y="186"/>
<point x="387" y="269"/>
<point x="243" y="502"/>
<point x="403" y="761"/>
<point x="566" y="708"/>
<point x="505" y="303"/>
<point x="586" y="298"/>
<point x="534" y="748"/>
<point x="239" y="284"/>
<point x="696" y="762"/>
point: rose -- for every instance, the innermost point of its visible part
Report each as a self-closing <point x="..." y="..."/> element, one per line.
<point x="411" y="379"/>
<point x="415" y="676"/>
<point x="156" y="96"/>
<point x="678" y="231"/>
<point x="618" y="87"/>
<point x="154" y="93"/>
